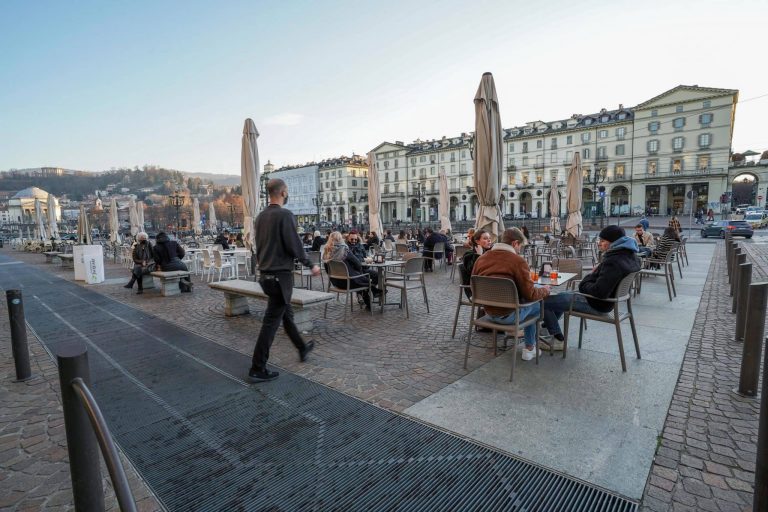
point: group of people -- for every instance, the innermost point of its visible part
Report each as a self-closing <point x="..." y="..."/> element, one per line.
<point x="165" y="255"/>
<point x="229" y="240"/>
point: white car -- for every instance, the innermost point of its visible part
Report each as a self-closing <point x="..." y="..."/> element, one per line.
<point x="755" y="219"/>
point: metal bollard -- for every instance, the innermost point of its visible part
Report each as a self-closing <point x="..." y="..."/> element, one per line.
<point x="18" y="335"/>
<point x="753" y="339"/>
<point x="760" y="499"/>
<point x="739" y="259"/>
<point x="742" y="298"/>
<point x="728" y="255"/>
<point x="83" y="448"/>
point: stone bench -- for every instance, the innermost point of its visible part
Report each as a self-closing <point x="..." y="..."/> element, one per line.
<point x="237" y="292"/>
<point x="50" y="256"/>
<point x="67" y="260"/>
<point x="169" y="281"/>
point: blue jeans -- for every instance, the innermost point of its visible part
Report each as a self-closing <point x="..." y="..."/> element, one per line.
<point x="525" y="313"/>
<point x="556" y="305"/>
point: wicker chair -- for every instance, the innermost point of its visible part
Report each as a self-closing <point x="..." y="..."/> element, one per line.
<point x="338" y="270"/>
<point x="411" y="278"/>
<point x="614" y="317"/>
<point x="501" y="293"/>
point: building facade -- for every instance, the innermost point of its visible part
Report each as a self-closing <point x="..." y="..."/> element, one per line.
<point x="343" y="190"/>
<point x="302" y="191"/>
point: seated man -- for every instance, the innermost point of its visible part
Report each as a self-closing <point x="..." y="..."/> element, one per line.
<point x="223" y="240"/>
<point x="429" y="246"/>
<point x="619" y="260"/>
<point x="356" y="246"/>
<point x="644" y="240"/>
<point x="503" y="261"/>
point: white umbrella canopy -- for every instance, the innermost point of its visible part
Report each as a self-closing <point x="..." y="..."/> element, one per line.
<point x="140" y="214"/>
<point x="211" y="217"/>
<point x="196" y="216"/>
<point x="28" y="236"/>
<point x="133" y="215"/>
<point x="83" y="227"/>
<point x="573" y="196"/>
<point x="40" y="230"/>
<point x="114" y="223"/>
<point x="443" y="206"/>
<point x="53" y="227"/>
<point x="249" y="180"/>
<point x="487" y="170"/>
<point x="554" y="208"/>
<point x="374" y="198"/>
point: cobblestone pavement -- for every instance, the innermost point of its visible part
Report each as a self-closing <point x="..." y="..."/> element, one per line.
<point x="34" y="464"/>
<point x="706" y="456"/>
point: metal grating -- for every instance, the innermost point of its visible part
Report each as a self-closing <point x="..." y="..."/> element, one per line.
<point x="205" y="440"/>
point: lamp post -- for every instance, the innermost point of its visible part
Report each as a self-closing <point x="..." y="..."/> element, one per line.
<point x="231" y="215"/>
<point x="176" y="200"/>
<point x="594" y="177"/>
<point x="419" y="190"/>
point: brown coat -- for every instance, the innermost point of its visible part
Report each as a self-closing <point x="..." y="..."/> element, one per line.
<point x="502" y="261"/>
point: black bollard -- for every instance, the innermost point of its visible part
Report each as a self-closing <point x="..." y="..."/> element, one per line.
<point x="18" y="335"/>
<point x="753" y="339"/>
<point x="760" y="498"/>
<point x="83" y="448"/>
<point x="740" y="258"/>
<point x="729" y="247"/>
<point x="734" y="252"/>
<point x="742" y="298"/>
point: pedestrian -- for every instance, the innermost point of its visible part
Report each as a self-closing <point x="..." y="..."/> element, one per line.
<point x="710" y="215"/>
<point x="277" y="246"/>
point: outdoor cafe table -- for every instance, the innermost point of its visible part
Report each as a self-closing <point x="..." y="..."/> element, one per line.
<point x="556" y="284"/>
<point x="381" y="270"/>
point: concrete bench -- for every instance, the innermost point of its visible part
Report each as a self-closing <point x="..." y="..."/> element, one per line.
<point x="67" y="260"/>
<point x="237" y="292"/>
<point x="169" y="281"/>
<point x="50" y="256"/>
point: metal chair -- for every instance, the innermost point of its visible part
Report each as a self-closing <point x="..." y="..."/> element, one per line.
<point x="338" y="270"/>
<point x="614" y="317"/>
<point x="438" y="253"/>
<point x="411" y="278"/>
<point x="464" y="294"/>
<point x="500" y="292"/>
<point x="303" y="272"/>
<point x="572" y="266"/>
<point x="400" y="250"/>
<point x="458" y="255"/>
<point x="665" y="269"/>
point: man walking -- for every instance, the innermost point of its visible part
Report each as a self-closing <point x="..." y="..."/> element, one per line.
<point x="277" y="246"/>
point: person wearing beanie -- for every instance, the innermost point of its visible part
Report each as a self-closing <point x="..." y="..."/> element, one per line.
<point x="619" y="260"/>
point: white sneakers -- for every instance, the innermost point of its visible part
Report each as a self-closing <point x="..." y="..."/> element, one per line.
<point x="529" y="354"/>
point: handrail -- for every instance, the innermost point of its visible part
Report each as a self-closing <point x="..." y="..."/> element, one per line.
<point x="107" y="445"/>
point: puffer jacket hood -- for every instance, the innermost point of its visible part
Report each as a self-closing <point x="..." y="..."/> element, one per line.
<point x="624" y="242"/>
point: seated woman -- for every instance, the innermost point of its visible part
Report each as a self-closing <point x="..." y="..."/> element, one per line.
<point x="372" y="239"/>
<point x="168" y="254"/>
<point x="337" y="250"/>
<point x="402" y="238"/>
<point x="665" y="243"/>
<point x="142" y="257"/>
<point x="317" y="241"/>
<point x="239" y="242"/>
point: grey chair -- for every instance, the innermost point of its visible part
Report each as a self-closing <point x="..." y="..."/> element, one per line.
<point x="306" y="273"/>
<point x="664" y="269"/>
<point x="458" y="255"/>
<point x="499" y="292"/>
<point x="464" y="291"/>
<point x="438" y="253"/>
<point x="338" y="270"/>
<point x="411" y="278"/>
<point x="614" y="316"/>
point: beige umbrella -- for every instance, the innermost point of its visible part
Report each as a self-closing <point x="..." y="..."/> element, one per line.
<point x="443" y="208"/>
<point x="573" y="196"/>
<point x="554" y="208"/>
<point x="196" y="216"/>
<point x="374" y="198"/>
<point x="140" y="214"/>
<point x="133" y="216"/>
<point x="114" y="223"/>
<point x="40" y="218"/>
<point x="487" y="157"/>
<point x="53" y="227"/>
<point x="83" y="227"/>
<point x="211" y="217"/>
<point x="249" y="179"/>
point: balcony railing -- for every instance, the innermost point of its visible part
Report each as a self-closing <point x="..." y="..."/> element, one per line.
<point x="392" y="194"/>
<point x="685" y="173"/>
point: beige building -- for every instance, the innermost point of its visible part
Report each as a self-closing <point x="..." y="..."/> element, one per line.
<point x="343" y="190"/>
<point x="21" y="207"/>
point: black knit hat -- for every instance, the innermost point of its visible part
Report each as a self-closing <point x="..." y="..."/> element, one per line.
<point x="612" y="233"/>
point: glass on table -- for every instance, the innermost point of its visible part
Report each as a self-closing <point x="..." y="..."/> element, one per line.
<point x="534" y="274"/>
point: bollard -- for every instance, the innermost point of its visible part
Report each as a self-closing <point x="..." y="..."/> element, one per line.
<point x="734" y="252"/>
<point x="18" y="335"/>
<point x="745" y="279"/>
<point x="753" y="338"/>
<point x="729" y="247"/>
<point x="760" y="498"/>
<point x="84" y="463"/>
<point x="740" y="258"/>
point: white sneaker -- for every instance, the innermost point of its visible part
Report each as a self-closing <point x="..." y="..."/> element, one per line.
<point x="530" y="354"/>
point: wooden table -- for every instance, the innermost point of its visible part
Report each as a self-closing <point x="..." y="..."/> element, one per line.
<point x="381" y="269"/>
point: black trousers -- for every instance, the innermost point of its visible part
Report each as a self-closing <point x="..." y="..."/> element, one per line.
<point x="279" y="288"/>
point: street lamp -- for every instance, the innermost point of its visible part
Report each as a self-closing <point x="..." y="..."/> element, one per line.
<point x="231" y="215"/>
<point x="420" y="191"/>
<point x="594" y="178"/>
<point x="176" y="200"/>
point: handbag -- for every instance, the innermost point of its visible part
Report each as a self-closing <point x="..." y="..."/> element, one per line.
<point x="149" y="268"/>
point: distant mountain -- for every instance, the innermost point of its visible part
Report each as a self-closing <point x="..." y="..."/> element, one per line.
<point x="217" y="179"/>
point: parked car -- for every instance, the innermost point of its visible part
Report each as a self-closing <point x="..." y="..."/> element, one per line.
<point x="755" y="219"/>
<point x="735" y="227"/>
<point x="742" y="208"/>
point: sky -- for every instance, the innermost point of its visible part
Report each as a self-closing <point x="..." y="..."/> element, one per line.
<point x="95" y="85"/>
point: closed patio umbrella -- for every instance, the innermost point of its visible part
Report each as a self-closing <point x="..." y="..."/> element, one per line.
<point x="140" y="214"/>
<point x="374" y="198"/>
<point x="83" y="227"/>
<point x="487" y="170"/>
<point x="211" y="217"/>
<point x="249" y="180"/>
<point x="554" y="208"/>
<point x="133" y="216"/>
<point x="40" y="230"/>
<point x="196" y="216"/>
<point x="442" y="206"/>
<point x="114" y="223"/>
<point x="53" y="227"/>
<point x="573" y="197"/>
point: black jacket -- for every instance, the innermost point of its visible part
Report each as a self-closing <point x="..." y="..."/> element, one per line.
<point x="277" y="242"/>
<point x="168" y="254"/>
<point x="358" y="250"/>
<point x="142" y="253"/>
<point x="619" y="261"/>
<point x="436" y="238"/>
<point x="222" y="240"/>
<point x="317" y="242"/>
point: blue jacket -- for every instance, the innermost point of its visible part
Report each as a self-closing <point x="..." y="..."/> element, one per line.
<point x="619" y="261"/>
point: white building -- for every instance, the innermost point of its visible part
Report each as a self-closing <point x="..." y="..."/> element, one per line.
<point x="21" y="207"/>
<point x="302" y="190"/>
<point x="343" y="190"/>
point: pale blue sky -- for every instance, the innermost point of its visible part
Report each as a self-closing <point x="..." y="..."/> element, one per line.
<point x="93" y="85"/>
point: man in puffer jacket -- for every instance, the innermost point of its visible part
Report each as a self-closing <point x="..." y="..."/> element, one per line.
<point x="619" y="260"/>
